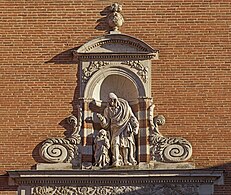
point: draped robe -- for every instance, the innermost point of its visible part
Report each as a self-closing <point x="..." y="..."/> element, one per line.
<point x="123" y="124"/>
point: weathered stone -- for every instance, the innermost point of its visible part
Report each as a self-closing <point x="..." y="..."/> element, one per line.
<point x="198" y="182"/>
<point x="166" y="149"/>
<point x="123" y="126"/>
<point x="54" y="166"/>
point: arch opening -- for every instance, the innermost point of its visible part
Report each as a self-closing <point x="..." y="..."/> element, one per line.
<point x="120" y="85"/>
<point x="123" y="82"/>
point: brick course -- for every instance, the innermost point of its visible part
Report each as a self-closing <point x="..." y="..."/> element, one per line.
<point x="191" y="80"/>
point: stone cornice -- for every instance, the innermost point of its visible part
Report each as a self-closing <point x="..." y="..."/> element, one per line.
<point x="114" y="177"/>
<point x="115" y="56"/>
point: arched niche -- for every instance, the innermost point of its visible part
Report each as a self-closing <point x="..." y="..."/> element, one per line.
<point x="120" y="55"/>
<point x="119" y="85"/>
<point x="121" y="81"/>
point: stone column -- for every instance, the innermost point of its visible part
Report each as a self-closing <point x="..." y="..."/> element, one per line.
<point x="143" y="138"/>
<point x="87" y="133"/>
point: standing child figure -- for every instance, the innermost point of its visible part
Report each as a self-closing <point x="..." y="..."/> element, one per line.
<point x="102" y="146"/>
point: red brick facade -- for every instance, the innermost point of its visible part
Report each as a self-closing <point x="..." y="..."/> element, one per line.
<point x="191" y="82"/>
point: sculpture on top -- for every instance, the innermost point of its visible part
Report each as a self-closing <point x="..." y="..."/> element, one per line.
<point x="115" y="18"/>
<point x="119" y="119"/>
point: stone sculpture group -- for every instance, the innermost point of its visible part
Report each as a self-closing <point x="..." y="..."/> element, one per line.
<point x="115" y="142"/>
<point x="119" y="119"/>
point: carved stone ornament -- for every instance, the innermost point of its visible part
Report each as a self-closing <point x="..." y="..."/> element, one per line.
<point x="102" y="146"/>
<point x="115" y="18"/>
<point x="164" y="189"/>
<point x="119" y="119"/>
<point x="117" y="181"/>
<point x="166" y="149"/>
<point x="93" y="67"/>
<point x="142" y="71"/>
<point x="61" y="150"/>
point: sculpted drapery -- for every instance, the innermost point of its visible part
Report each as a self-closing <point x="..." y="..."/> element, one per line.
<point x="123" y="125"/>
<point x="101" y="149"/>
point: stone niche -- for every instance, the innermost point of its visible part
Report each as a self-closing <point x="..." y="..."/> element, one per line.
<point x="103" y="155"/>
<point x="120" y="64"/>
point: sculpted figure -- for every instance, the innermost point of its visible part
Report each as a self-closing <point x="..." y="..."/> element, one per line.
<point x="101" y="149"/>
<point x="123" y="125"/>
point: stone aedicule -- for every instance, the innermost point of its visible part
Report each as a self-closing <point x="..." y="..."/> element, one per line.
<point x="106" y="63"/>
<point x="101" y="61"/>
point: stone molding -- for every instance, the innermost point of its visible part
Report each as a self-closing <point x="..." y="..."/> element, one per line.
<point x="94" y="66"/>
<point x="143" y="89"/>
<point x="110" y="56"/>
<point x="198" y="182"/>
<point x="114" y="177"/>
<point x="115" y="46"/>
<point x="107" y="55"/>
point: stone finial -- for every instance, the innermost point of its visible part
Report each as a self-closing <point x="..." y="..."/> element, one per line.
<point x="115" y="19"/>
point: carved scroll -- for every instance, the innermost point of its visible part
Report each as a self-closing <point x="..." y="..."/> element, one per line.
<point x="64" y="149"/>
<point x="59" y="149"/>
<point x="167" y="149"/>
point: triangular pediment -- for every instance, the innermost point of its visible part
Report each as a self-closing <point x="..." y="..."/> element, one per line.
<point x="116" y="43"/>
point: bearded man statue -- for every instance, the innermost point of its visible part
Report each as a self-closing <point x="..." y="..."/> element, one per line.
<point x="119" y="119"/>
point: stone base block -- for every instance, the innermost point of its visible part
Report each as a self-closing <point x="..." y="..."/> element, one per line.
<point x="141" y="166"/>
<point x="173" y="166"/>
<point x="54" y="166"/>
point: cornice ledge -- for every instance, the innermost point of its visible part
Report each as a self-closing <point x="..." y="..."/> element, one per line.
<point x="115" y="56"/>
<point x="115" y="177"/>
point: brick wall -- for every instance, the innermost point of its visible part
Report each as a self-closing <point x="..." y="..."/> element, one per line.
<point x="191" y="81"/>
